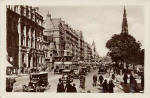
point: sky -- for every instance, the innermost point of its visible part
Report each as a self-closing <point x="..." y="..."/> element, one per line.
<point x="99" y="23"/>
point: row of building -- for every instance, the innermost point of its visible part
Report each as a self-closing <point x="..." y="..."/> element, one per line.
<point x="36" y="43"/>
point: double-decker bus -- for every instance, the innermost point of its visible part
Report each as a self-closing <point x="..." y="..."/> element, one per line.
<point x="65" y="62"/>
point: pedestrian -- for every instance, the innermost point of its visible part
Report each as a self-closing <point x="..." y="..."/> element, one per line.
<point x="131" y="78"/>
<point x="74" y="88"/>
<point x="84" y="78"/>
<point x="60" y="86"/>
<point x="142" y="81"/>
<point x="101" y="79"/>
<point x="81" y="80"/>
<point x="125" y="78"/>
<point x="136" y="86"/>
<point x="94" y="80"/>
<point x="111" y="86"/>
<point x="68" y="87"/>
<point x="113" y="76"/>
<point x="105" y="86"/>
<point x="132" y="85"/>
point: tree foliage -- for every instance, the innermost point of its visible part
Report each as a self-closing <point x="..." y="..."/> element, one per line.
<point x="124" y="47"/>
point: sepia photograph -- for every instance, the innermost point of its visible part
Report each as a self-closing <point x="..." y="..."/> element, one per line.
<point x="75" y="49"/>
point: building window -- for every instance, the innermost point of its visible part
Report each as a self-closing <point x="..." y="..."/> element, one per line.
<point x="27" y="40"/>
<point x="22" y="58"/>
<point x="27" y="12"/>
<point x="22" y="40"/>
<point x="31" y="42"/>
<point x="50" y="54"/>
<point x="22" y="10"/>
<point x="67" y="53"/>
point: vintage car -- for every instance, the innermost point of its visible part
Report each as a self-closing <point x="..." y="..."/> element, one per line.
<point x="102" y="70"/>
<point x="67" y="76"/>
<point x="38" y="82"/>
<point x="83" y="71"/>
<point x="58" y="71"/>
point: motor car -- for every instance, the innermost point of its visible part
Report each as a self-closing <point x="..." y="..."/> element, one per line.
<point x="83" y="71"/>
<point x="38" y="82"/>
<point x="67" y="76"/>
<point x="56" y="71"/>
<point x="102" y="70"/>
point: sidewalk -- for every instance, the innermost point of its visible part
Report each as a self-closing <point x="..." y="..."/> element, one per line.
<point x="126" y="88"/>
<point x="118" y="87"/>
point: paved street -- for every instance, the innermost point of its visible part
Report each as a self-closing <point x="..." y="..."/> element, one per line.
<point x="53" y="81"/>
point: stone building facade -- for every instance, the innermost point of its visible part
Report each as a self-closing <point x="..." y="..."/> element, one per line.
<point x="87" y="53"/>
<point x="35" y="44"/>
<point x="65" y="38"/>
<point x="66" y="41"/>
<point x="25" y="38"/>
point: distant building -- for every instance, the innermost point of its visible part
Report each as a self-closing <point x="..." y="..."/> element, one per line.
<point x="87" y="53"/>
<point x="25" y="37"/>
<point x="66" y="41"/>
<point x="35" y="44"/>
<point x="81" y="45"/>
<point x="95" y="55"/>
<point x="65" y="38"/>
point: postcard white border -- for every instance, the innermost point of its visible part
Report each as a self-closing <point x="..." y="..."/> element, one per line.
<point x="3" y="4"/>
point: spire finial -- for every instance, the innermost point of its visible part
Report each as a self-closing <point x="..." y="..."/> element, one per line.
<point x="124" y="11"/>
<point x="124" y="22"/>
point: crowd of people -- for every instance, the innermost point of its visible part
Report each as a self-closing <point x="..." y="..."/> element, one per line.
<point x="133" y="82"/>
<point x="61" y="88"/>
<point x="106" y="87"/>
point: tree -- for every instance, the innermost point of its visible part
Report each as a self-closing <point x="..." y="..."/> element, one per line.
<point x="140" y="57"/>
<point x="124" y="47"/>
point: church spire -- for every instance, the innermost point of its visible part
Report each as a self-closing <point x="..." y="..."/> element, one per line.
<point x="93" y="45"/>
<point x="48" y="15"/>
<point x="124" y="22"/>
